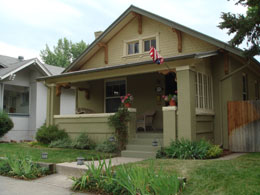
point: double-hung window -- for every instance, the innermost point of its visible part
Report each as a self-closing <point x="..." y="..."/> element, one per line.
<point x="149" y="43"/>
<point x="133" y="48"/>
<point x="203" y="95"/>
<point x="114" y="89"/>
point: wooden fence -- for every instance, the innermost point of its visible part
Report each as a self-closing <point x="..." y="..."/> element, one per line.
<point x="244" y="126"/>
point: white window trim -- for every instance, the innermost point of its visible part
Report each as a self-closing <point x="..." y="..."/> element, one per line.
<point x="203" y="111"/>
<point x="140" y="39"/>
<point x="105" y="89"/>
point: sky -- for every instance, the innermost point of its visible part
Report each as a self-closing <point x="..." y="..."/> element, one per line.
<point x="26" y="26"/>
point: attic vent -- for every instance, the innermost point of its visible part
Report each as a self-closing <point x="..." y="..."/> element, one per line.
<point x="21" y="58"/>
<point x="97" y="34"/>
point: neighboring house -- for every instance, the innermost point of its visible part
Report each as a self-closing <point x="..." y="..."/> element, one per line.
<point x="206" y="73"/>
<point x="24" y="99"/>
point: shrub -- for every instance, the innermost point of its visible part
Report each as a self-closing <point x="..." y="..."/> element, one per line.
<point x="126" y="180"/>
<point x="46" y="135"/>
<point x="214" y="151"/>
<point x="61" y="143"/>
<point x="83" y="142"/>
<point x="23" y="167"/>
<point x="4" y="167"/>
<point x="6" y="124"/>
<point x="107" y="147"/>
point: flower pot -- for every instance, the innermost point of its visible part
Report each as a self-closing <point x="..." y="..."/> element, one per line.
<point x="172" y="103"/>
<point x="127" y="105"/>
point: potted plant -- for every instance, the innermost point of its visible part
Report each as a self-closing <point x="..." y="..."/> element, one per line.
<point x="127" y="100"/>
<point x="171" y="98"/>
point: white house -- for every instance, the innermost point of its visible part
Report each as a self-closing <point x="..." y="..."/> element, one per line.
<point x="25" y="99"/>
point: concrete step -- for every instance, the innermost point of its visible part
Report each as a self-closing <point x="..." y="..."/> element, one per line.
<point x="149" y="135"/>
<point x="145" y="141"/>
<point x="138" y="154"/>
<point x="71" y="171"/>
<point x="147" y="148"/>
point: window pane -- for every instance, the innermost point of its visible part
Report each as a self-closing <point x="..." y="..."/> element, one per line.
<point x="112" y="105"/>
<point x="205" y="82"/>
<point x="130" y="48"/>
<point x="153" y="43"/>
<point x="147" y="45"/>
<point x="16" y="99"/>
<point x="136" y="47"/>
<point x="115" y="88"/>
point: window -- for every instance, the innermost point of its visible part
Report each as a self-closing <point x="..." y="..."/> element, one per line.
<point x="133" y="48"/>
<point x="114" y="90"/>
<point x="203" y="95"/>
<point x="149" y="43"/>
<point x="257" y="90"/>
<point x="16" y="99"/>
<point x="245" y="87"/>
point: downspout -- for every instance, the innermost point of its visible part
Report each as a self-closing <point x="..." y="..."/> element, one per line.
<point x="220" y="94"/>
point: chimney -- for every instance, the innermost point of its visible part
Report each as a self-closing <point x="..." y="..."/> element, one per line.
<point x="97" y="34"/>
<point x="21" y="58"/>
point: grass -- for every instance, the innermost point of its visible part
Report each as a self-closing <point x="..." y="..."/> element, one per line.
<point x="237" y="176"/>
<point x="55" y="155"/>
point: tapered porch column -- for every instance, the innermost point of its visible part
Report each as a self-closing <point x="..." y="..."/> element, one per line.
<point x="186" y="103"/>
<point x="53" y="104"/>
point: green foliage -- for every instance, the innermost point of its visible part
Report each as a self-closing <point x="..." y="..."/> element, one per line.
<point x="23" y="167"/>
<point x="4" y="167"/>
<point x="185" y="149"/>
<point x="107" y="147"/>
<point x="244" y="26"/>
<point x="214" y="151"/>
<point x="6" y="124"/>
<point x="126" y="180"/>
<point x="83" y="142"/>
<point x="46" y="135"/>
<point x="64" y="53"/>
<point x="119" y="121"/>
<point x="61" y="143"/>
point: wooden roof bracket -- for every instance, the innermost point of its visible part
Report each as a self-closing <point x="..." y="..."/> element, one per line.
<point x="104" y="45"/>
<point x="59" y="86"/>
<point x="179" y="36"/>
<point x="140" y="22"/>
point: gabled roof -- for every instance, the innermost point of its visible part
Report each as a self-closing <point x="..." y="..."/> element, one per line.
<point x="172" y="24"/>
<point x="10" y="65"/>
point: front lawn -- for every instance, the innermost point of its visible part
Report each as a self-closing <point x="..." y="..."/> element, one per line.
<point x="55" y="155"/>
<point x="237" y="176"/>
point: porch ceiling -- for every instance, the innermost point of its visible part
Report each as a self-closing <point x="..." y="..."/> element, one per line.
<point x="126" y="69"/>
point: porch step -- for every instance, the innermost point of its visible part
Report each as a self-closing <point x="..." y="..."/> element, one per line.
<point x="145" y="141"/>
<point x="146" y="148"/>
<point x="138" y="154"/>
<point x="72" y="171"/>
<point x="149" y="135"/>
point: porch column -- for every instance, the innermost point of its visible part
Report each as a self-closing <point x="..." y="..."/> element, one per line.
<point x="53" y="104"/>
<point x="186" y="103"/>
<point x="169" y="125"/>
<point x="132" y="123"/>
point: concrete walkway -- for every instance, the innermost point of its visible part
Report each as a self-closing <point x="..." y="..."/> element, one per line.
<point x="231" y="156"/>
<point x="72" y="169"/>
<point x="55" y="184"/>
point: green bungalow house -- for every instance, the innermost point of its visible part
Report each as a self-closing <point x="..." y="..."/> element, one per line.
<point x="205" y="72"/>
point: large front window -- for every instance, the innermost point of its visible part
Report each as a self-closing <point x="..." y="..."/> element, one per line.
<point x="114" y="90"/>
<point x="16" y="99"/>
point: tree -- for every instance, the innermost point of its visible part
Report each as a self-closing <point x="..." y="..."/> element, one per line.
<point x="244" y="26"/>
<point x="64" y="53"/>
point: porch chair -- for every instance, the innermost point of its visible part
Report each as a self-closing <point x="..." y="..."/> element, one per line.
<point x="145" y="120"/>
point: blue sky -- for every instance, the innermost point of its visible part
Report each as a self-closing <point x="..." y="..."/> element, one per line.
<point x="27" y="25"/>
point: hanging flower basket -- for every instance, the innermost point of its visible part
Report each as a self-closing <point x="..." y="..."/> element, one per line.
<point x="127" y="100"/>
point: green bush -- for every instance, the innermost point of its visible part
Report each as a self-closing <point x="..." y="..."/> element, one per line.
<point x="126" y="180"/>
<point x="107" y="147"/>
<point x="4" y="167"/>
<point x="185" y="149"/>
<point x="23" y="167"/>
<point x="214" y="152"/>
<point x="46" y="135"/>
<point x="61" y="143"/>
<point x="83" y="142"/>
<point x="6" y="124"/>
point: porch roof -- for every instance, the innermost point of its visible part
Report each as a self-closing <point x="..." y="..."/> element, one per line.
<point x="149" y="62"/>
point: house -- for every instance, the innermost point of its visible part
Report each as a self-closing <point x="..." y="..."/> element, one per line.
<point x="205" y="72"/>
<point x="24" y="99"/>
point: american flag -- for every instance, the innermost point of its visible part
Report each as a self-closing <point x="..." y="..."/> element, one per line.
<point x="155" y="56"/>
